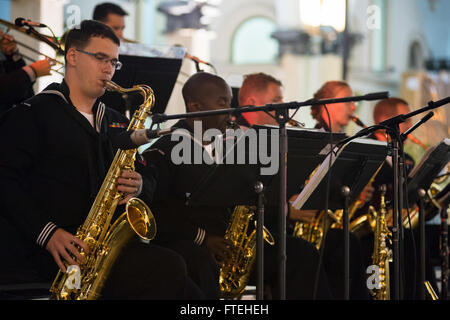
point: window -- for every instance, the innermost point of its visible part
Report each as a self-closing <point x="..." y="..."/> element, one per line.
<point x="252" y="43"/>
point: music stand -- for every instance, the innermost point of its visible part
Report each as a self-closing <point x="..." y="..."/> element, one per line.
<point x="308" y="147"/>
<point x="351" y="167"/>
<point x="160" y="73"/>
<point x="419" y="181"/>
<point x="423" y="174"/>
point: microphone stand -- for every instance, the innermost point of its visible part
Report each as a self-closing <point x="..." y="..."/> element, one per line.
<point x="396" y="150"/>
<point x="45" y="39"/>
<point x="282" y="117"/>
<point x="444" y="251"/>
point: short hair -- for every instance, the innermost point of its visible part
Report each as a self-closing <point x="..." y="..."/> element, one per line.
<point x="102" y="10"/>
<point x="387" y="108"/>
<point x="255" y="82"/>
<point x="327" y="91"/>
<point x="192" y="88"/>
<point x="79" y="37"/>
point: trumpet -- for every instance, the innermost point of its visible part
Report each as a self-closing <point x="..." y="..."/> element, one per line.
<point x="51" y="41"/>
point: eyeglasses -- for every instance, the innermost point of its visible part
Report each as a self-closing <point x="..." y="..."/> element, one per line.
<point x="116" y="64"/>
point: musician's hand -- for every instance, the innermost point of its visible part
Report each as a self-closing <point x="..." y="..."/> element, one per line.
<point x="130" y="184"/>
<point x="307" y="216"/>
<point x="219" y="247"/>
<point x="62" y="246"/>
<point x="7" y="45"/>
<point x="41" y="67"/>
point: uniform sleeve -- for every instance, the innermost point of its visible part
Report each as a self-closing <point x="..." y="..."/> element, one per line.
<point x="19" y="142"/>
<point x="15" y="87"/>
<point x="148" y="174"/>
<point x="172" y="220"/>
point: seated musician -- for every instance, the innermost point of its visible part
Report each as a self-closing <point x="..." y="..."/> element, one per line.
<point x="197" y="233"/>
<point x="260" y="89"/>
<point x="51" y="172"/>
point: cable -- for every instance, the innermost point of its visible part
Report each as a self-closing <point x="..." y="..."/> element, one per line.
<point x="410" y="224"/>
<point x="325" y="216"/>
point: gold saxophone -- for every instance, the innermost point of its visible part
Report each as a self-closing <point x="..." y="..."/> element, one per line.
<point x="382" y="255"/>
<point x="314" y="232"/>
<point x="104" y="240"/>
<point x="234" y="273"/>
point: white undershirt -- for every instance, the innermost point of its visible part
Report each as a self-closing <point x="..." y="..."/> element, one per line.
<point x="88" y="116"/>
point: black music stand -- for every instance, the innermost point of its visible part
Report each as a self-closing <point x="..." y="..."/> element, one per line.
<point x="228" y="185"/>
<point x="423" y="174"/>
<point x="157" y="72"/>
<point x="307" y="149"/>
<point x="351" y="170"/>
<point x="419" y="181"/>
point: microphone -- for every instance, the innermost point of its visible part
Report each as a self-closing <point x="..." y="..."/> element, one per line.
<point x="356" y="120"/>
<point x="196" y="59"/>
<point x="376" y="96"/>
<point x="21" y="22"/>
<point x="132" y="139"/>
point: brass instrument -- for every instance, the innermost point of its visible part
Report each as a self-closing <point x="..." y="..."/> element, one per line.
<point x="104" y="240"/>
<point x="234" y="274"/>
<point x="431" y="203"/>
<point x="314" y="232"/>
<point x="382" y="255"/>
<point x="53" y="42"/>
<point x="295" y="123"/>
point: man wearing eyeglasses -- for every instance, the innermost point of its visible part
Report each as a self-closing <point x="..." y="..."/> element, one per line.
<point x="56" y="150"/>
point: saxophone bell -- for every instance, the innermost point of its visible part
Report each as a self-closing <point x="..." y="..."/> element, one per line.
<point x="235" y="272"/>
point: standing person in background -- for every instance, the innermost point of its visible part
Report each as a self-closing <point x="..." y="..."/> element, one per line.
<point x="112" y="15"/>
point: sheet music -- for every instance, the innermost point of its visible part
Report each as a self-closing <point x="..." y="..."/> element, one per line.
<point x="152" y="51"/>
<point x="317" y="177"/>
<point x="426" y="156"/>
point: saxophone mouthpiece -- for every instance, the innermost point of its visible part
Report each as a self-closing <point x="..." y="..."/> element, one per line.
<point x="111" y="86"/>
<point x="356" y="120"/>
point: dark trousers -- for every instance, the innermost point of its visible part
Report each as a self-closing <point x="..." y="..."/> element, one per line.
<point x="142" y="271"/>
<point x="201" y="267"/>
<point x="302" y="271"/>
<point x="333" y="258"/>
<point x="150" y="272"/>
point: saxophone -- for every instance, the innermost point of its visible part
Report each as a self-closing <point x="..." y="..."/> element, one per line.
<point x="315" y="231"/>
<point x="234" y="274"/>
<point x="105" y="241"/>
<point x="382" y="255"/>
